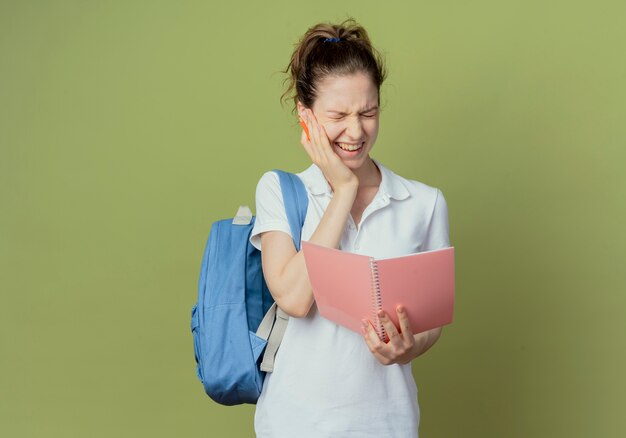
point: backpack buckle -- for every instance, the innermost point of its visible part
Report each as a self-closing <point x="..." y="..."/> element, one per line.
<point x="243" y="216"/>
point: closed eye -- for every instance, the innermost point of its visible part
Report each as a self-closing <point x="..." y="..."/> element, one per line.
<point x="364" y="115"/>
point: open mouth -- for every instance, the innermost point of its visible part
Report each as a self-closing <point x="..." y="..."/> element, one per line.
<point x="350" y="148"/>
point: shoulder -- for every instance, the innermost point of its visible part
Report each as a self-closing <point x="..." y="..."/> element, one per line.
<point x="419" y="193"/>
<point x="430" y="211"/>
<point x="268" y="186"/>
<point x="421" y="190"/>
<point x="268" y="179"/>
<point x="269" y="183"/>
<point x="430" y="200"/>
<point x="424" y="193"/>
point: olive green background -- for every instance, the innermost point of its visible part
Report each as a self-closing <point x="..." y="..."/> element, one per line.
<point x="127" y="127"/>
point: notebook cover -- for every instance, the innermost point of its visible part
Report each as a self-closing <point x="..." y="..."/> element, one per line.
<point x="424" y="283"/>
<point x="342" y="286"/>
<point x="341" y="283"/>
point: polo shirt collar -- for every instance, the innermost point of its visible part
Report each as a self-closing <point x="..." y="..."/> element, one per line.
<point x="391" y="184"/>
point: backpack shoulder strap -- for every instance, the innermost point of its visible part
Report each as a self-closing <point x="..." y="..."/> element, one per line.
<point x="272" y="329"/>
<point x="296" y="203"/>
<point x="274" y="323"/>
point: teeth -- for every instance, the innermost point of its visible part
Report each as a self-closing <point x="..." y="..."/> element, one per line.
<point x="349" y="147"/>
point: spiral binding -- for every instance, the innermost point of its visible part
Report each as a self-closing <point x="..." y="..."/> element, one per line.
<point x="377" y="303"/>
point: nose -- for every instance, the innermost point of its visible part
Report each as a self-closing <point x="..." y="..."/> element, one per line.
<point x="354" y="128"/>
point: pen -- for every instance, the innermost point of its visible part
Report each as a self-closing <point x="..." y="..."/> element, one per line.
<point x="306" y="130"/>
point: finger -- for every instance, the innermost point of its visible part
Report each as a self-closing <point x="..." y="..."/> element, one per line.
<point x="308" y="146"/>
<point x="315" y="132"/>
<point x="328" y="149"/>
<point x="306" y="118"/>
<point x="375" y="345"/>
<point x="405" y="324"/>
<point x="379" y="357"/>
<point x="324" y="140"/>
<point x="324" y="147"/>
<point x="306" y="130"/>
<point x="392" y="332"/>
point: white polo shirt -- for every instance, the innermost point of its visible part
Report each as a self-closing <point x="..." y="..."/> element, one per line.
<point x="326" y="382"/>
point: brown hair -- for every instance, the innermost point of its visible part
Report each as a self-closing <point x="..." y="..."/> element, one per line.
<point x="313" y="60"/>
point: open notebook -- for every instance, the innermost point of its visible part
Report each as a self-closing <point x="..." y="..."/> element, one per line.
<point x="349" y="287"/>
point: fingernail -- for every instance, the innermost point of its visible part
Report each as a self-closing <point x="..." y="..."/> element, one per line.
<point x="364" y="323"/>
<point x="381" y="313"/>
<point x="401" y="309"/>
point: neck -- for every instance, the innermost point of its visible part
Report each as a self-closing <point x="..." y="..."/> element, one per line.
<point x="368" y="174"/>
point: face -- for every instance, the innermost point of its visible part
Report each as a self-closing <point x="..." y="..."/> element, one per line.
<point x="347" y="107"/>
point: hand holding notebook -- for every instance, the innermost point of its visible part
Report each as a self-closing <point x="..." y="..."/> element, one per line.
<point x="349" y="287"/>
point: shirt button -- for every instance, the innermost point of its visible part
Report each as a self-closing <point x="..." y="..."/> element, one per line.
<point x="352" y="226"/>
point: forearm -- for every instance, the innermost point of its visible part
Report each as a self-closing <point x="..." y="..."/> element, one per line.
<point x="296" y="294"/>
<point x="425" y="340"/>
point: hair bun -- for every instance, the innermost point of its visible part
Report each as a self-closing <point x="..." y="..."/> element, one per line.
<point x="312" y="59"/>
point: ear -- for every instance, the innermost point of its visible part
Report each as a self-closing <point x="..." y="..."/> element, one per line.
<point x="300" y="107"/>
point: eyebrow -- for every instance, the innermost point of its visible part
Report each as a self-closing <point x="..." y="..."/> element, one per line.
<point x="364" y="111"/>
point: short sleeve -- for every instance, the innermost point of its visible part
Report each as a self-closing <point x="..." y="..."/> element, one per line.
<point x="270" y="209"/>
<point x="438" y="235"/>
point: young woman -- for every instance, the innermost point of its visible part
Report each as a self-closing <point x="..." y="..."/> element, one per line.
<point x="329" y="381"/>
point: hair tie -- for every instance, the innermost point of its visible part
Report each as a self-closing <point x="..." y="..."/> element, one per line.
<point x="333" y="40"/>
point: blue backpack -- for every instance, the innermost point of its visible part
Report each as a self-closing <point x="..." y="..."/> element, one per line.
<point x="236" y="321"/>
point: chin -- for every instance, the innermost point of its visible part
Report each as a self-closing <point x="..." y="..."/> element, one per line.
<point x="355" y="164"/>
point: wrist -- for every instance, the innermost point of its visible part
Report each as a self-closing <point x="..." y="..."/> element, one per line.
<point x="421" y="344"/>
<point x="347" y="192"/>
